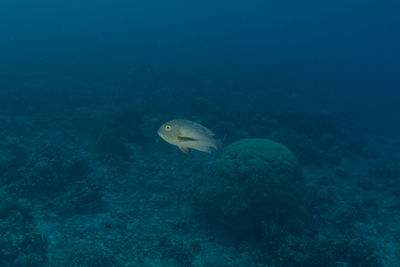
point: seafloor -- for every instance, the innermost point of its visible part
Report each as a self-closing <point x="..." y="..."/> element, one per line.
<point x="86" y="181"/>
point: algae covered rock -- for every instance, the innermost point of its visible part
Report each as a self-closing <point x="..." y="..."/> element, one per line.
<point x="253" y="184"/>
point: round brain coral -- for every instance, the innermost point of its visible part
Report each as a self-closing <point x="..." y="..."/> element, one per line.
<point x="254" y="183"/>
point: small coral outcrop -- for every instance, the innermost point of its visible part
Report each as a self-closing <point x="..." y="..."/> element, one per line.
<point x="254" y="183"/>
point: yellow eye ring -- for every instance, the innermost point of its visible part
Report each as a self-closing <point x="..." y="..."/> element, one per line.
<point x="167" y="127"/>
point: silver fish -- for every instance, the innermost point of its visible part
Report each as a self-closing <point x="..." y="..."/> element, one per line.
<point x="188" y="135"/>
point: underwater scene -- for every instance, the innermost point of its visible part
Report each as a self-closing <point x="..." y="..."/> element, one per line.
<point x="178" y="133"/>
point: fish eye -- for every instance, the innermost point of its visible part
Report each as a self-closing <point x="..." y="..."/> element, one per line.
<point x="167" y="127"/>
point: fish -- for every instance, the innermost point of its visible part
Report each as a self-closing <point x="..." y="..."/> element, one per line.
<point x="187" y="135"/>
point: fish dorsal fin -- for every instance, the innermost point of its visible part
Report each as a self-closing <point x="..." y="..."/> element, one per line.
<point x="185" y="150"/>
<point x="207" y="131"/>
<point x="203" y="129"/>
<point x="184" y="138"/>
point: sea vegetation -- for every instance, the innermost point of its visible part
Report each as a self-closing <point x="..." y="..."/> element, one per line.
<point x="90" y="254"/>
<point x="387" y="174"/>
<point x="181" y="250"/>
<point x="13" y="155"/>
<point x="20" y="245"/>
<point x="57" y="168"/>
<point x="315" y="137"/>
<point x="81" y="198"/>
<point x="316" y="250"/>
<point x="110" y="132"/>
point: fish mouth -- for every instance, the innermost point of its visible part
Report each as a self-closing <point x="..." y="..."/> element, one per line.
<point x="164" y="137"/>
<point x="159" y="132"/>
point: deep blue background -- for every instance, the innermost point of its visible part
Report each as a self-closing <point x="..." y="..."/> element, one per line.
<point x="339" y="55"/>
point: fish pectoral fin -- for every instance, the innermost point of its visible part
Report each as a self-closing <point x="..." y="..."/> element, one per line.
<point x="185" y="150"/>
<point x="185" y="139"/>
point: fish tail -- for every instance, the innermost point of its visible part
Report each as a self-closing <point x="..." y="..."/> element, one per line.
<point x="219" y="142"/>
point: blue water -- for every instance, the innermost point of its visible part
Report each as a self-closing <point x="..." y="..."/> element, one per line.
<point x="86" y="181"/>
